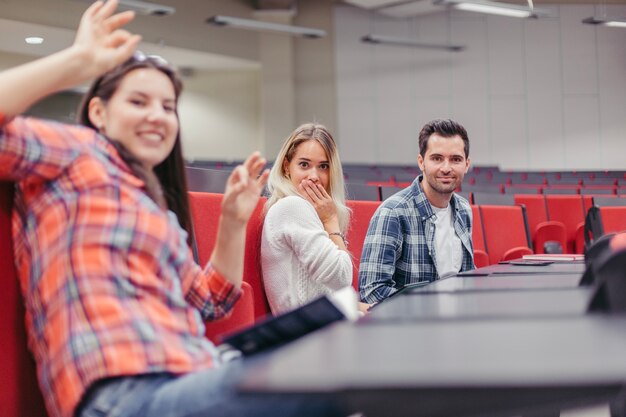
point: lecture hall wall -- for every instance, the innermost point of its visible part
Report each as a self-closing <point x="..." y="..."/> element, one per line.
<point x="533" y="94"/>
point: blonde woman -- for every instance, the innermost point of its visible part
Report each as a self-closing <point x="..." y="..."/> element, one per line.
<point x="304" y="253"/>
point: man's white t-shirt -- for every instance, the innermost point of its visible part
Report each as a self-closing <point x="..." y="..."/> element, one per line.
<point x="448" y="246"/>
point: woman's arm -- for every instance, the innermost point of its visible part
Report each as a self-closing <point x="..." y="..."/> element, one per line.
<point x="240" y="199"/>
<point x="293" y="223"/>
<point x="100" y="45"/>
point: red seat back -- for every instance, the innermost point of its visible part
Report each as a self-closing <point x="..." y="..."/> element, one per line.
<point x="613" y="219"/>
<point x="541" y="229"/>
<point x="505" y="229"/>
<point x="478" y="234"/>
<point x="241" y="317"/>
<point x="205" y="212"/>
<point x="536" y="210"/>
<point x="19" y="391"/>
<point x="569" y="210"/>
<point x="481" y="258"/>
<point x="362" y="212"/>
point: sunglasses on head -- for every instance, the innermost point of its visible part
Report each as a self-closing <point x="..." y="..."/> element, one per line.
<point x="140" y="56"/>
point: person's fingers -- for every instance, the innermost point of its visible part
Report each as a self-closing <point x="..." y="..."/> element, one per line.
<point x="105" y="10"/>
<point x="125" y="44"/>
<point x="322" y="191"/>
<point x="257" y="167"/>
<point x="307" y="188"/>
<point x="313" y="187"/>
<point x="117" y="21"/>
<point x="238" y="176"/>
<point x="119" y="38"/>
<point x="251" y="160"/>
<point x="93" y="9"/>
<point x="304" y="192"/>
<point x="262" y="179"/>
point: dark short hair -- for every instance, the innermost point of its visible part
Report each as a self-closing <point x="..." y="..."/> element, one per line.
<point x="446" y="128"/>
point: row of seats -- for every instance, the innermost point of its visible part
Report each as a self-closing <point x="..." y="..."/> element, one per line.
<point x="526" y="223"/>
<point x="545" y="189"/>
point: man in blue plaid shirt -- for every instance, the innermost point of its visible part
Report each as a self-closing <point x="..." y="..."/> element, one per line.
<point x="423" y="232"/>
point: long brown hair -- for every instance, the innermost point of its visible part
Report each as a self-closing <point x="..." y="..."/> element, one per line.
<point x="167" y="183"/>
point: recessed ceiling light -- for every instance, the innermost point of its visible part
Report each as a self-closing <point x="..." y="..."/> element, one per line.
<point x="34" y="40"/>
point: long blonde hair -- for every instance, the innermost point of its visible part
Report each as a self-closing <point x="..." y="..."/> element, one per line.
<point x="279" y="185"/>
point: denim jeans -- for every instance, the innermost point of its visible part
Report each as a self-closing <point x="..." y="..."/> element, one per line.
<point x="204" y="393"/>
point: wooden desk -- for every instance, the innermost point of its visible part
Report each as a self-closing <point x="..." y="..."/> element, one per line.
<point x="423" y="305"/>
<point x="452" y="367"/>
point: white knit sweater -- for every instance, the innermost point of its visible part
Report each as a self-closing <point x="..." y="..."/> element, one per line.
<point x="299" y="261"/>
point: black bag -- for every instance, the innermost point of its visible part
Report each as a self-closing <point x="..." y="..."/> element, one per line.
<point x="593" y="226"/>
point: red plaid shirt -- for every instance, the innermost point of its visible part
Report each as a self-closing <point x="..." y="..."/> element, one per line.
<point x="109" y="283"/>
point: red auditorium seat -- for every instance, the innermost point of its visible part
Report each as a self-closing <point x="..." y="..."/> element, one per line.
<point x="542" y="229"/>
<point x="205" y="209"/>
<point x="613" y="219"/>
<point x="241" y="317"/>
<point x="19" y="392"/>
<point x="481" y="258"/>
<point x="506" y="232"/>
<point x="569" y="210"/>
<point x="362" y="212"/>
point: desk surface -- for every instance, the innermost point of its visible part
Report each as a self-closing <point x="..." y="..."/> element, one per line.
<point x="436" y="367"/>
<point x="574" y="267"/>
<point x="499" y="282"/>
<point x="483" y="304"/>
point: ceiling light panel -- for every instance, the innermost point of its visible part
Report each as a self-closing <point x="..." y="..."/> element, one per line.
<point x="258" y="25"/>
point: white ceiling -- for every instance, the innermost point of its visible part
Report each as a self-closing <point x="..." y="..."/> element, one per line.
<point x="183" y="38"/>
<point x="187" y="45"/>
<point x="409" y="8"/>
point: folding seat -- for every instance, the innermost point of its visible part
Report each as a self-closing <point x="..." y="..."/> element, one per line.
<point x="561" y="189"/>
<point x="613" y="218"/>
<point x="362" y="192"/>
<point x="469" y="196"/>
<point x="494" y="199"/>
<point x="362" y="212"/>
<point x="207" y="180"/>
<point x="481" y="258"/>
<point x="205" y="212"/>
<point x="387" y="191"/>
<point x="493" y="188"/>
<point x="599" y="190"/>
<point x="523" y="189"/>
<point x="542" y="229"/>
<point x="506" y="232"/>
<point x="569" y="210"/>
<point x="608" y="201"/>
<point x="19" y="394"/>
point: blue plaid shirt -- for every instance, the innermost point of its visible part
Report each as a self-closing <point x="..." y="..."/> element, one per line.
<point x="399" y="248"/>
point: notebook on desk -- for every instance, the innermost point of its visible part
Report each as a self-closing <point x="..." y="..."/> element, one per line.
<point x="279" y="330"/>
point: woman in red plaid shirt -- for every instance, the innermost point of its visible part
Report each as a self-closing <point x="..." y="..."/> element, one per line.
<point x="114" y="301"/>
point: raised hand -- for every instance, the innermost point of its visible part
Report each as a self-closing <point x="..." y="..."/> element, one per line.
<point x="321" y="200"/>
<point x="101" y="38"/>
<point x="243" y="189"/>
<point x="100" y="45"/>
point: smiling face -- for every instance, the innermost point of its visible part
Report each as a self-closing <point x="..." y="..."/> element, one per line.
<point x="444" y="165"/>
<point x="309" y="162"/>
<point x="141" y="115"/>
